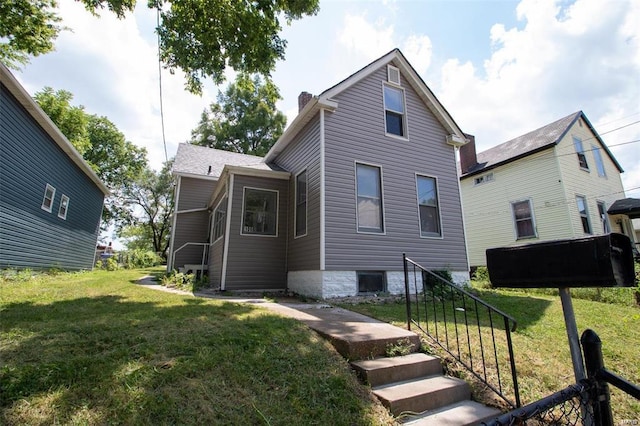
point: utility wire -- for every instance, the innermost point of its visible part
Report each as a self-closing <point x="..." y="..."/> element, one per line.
<point x="164" y="140"/>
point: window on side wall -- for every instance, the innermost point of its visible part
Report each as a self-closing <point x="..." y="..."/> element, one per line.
<point x="260" y="212"/>
<point x="64" y="207"/>
<point x="599" y="163"/>
<point x="219" y="219"/>
<point x="582" y="159"/>
<point x="371" y="282"/>
<point x="301" y="204"/>
<point x="47" y="201"/>
<point x="523" y="219"/>
<point x="369" y="198"/>
<point x="584" y="213"/>
<point x="604" y="217"/>
<point x="428" y="206"/>
<point x="394" y="111"/>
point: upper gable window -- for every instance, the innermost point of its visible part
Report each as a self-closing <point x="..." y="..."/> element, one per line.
<point x="582" y="159"/>
<point x="394" y="111"/>
<point x="64" y="207"/>
<point x="393" y="75"/>
<point x="47" y="202"/>
<point x="260" y="212"/>
<point x="599" y="162"/>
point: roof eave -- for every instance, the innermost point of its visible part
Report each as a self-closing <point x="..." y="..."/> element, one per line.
<point x="507" y="161"/>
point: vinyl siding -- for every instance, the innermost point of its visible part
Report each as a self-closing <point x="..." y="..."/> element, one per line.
<point x="31" y="237"/>
<point x="356" y="132"/>
<point x="587" y="183"/>
<point x="487" y="207"/>
<point x="217" y="249"/>
<point x="195" y="193"/>
<point x="304" y="252"/>
<point x="257" y="262"/>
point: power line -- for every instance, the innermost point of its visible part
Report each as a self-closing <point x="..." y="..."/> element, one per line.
<point x="164" y="141"/>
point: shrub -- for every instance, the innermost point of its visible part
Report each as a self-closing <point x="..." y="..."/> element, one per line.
<point x="182" y="281"/>
<point x="138" y="258"/>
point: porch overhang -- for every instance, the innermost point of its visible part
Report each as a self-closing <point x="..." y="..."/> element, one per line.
<point x="627" y="206"/>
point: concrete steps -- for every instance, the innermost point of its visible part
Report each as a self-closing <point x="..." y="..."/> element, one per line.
<point x="414" y="388"/>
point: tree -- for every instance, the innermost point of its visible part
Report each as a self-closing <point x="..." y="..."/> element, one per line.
<point x="115" y="160"/>
<point x="151" y="199"/>
<point x="244" y="119"/>
<point x="200" y="37"/>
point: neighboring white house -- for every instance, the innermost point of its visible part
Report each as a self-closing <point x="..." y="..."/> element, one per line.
<point x="555" y="182"/>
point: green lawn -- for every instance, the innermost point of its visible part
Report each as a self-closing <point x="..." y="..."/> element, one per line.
<point x="540" y="343"/>
<point x="95" y="348"/>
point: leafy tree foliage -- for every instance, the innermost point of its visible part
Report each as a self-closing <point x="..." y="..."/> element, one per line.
<point x="151" y="193"/>
<point x="200" y="37"/>
<point x="244" y="119"/>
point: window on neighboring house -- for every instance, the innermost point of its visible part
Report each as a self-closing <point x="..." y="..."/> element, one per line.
<point x="604" y="217"/>
<point x="582" y="159"/>
<point x="47" y="202"/>
<point x="219" y="219"/>
<point x="369" y="198"/>
<point x="584" y="214"/>
<point x="428" y="206"/>
<point x="260" y="212"/>
<point x="371" y="282"/>
<point x="394" y="110"/>
<point x="483" y="179"/>
<point x="599" y="163"/>
<point x="301" y="204"/>
<point x="523" y="218"/>
<point x="64" y="207"/>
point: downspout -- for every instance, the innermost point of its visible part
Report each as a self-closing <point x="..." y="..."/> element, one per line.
<point x="322" y="195"/>
<point x="225" y="251"/>
<point x="173" y="225"/>
<point x="464" y="225"/>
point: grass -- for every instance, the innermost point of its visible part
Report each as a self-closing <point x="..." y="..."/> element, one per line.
<point x="540" y="342"/>
<point x="94" y="348"/>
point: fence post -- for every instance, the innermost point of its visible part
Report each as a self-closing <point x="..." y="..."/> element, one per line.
<point x="406" y="290"/>
<point x="594" y="363"/>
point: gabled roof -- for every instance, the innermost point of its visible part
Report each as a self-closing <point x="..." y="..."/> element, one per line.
<point x="325" y="100"/>
<point x="195" y="161"/>
<point x="530" y="143"/>
<point x="32" y="108"/>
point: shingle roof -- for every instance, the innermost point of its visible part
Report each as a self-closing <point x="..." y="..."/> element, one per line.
<point x="196" y="160"/>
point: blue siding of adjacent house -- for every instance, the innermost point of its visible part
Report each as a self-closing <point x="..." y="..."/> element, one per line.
<point x="31" y="237"/>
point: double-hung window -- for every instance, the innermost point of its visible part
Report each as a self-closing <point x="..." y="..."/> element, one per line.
<point x="584" y="213"/>
<point x="301" y="204"/>
<point x="582" y="159"/>
<point x="219" y="219"/>
<point x="599" y="163"/>
<point x="260" y="212"/>
<point x="369" y="198"/>
<point x="64" y="207"/>
<point x="47" y="201"/>
<point x="394" y="111"/>
<point x="604" y="218"/>
<point x="523" y="219"/>
<point x="428" y="206"/>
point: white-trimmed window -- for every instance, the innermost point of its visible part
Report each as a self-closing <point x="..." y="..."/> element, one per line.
<point x="395" y="117"/>
<point x="260" y="212"/>
<point x="523" y="219"/>
<point x="582" y="159"/>
<point x="369" y="198"/>
<point x="581" y="201"/>
<point x="604" y="217"/>
<point x="301" y="204"/>
<point x="219" y="219"/>
<point x="599" y="163"/>
<point x="47" y="201"/>
<point x="483" y="179"/>
<point x="428" y="206"/>
<point x="64" y="207"/>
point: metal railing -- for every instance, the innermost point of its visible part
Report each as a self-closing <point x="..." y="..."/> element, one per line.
<point x="205" y="246"/>
<point x="463" y="325"/>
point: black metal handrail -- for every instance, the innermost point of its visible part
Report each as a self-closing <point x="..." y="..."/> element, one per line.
<point x="437" y="308"/>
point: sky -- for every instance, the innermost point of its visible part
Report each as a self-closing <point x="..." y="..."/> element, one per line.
<point x="501" y="68"/>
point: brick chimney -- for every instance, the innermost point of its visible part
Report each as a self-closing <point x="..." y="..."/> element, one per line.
<point x="468" y="157"/>
<point x="303" y="99"/>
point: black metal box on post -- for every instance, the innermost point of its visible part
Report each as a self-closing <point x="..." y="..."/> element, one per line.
<point x="598" y="261"/>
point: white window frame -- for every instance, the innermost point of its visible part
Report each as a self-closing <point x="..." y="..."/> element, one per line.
<point x="531" y="215"/>
<point x="604" y="217"/>
<point x="383" y="229"/>
<point x="439" y="210"/>
<point x="585" y="215"/>
<point x="219" y="222"/>
<point x="296" y="206"/>
<point x="405" y="127"/>
<point x="244" y="197"/>
<point x="64" y="207"/>
<point x="483" y="179"/>
<point x="579" y="147"/>
<point x="597" y="156"/>
<point x="393" y="71"/>
<point x="44" y="206"/>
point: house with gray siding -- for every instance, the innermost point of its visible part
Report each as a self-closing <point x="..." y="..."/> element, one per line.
<point x="364" y="173"/>
<point x="50" y="198"/>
